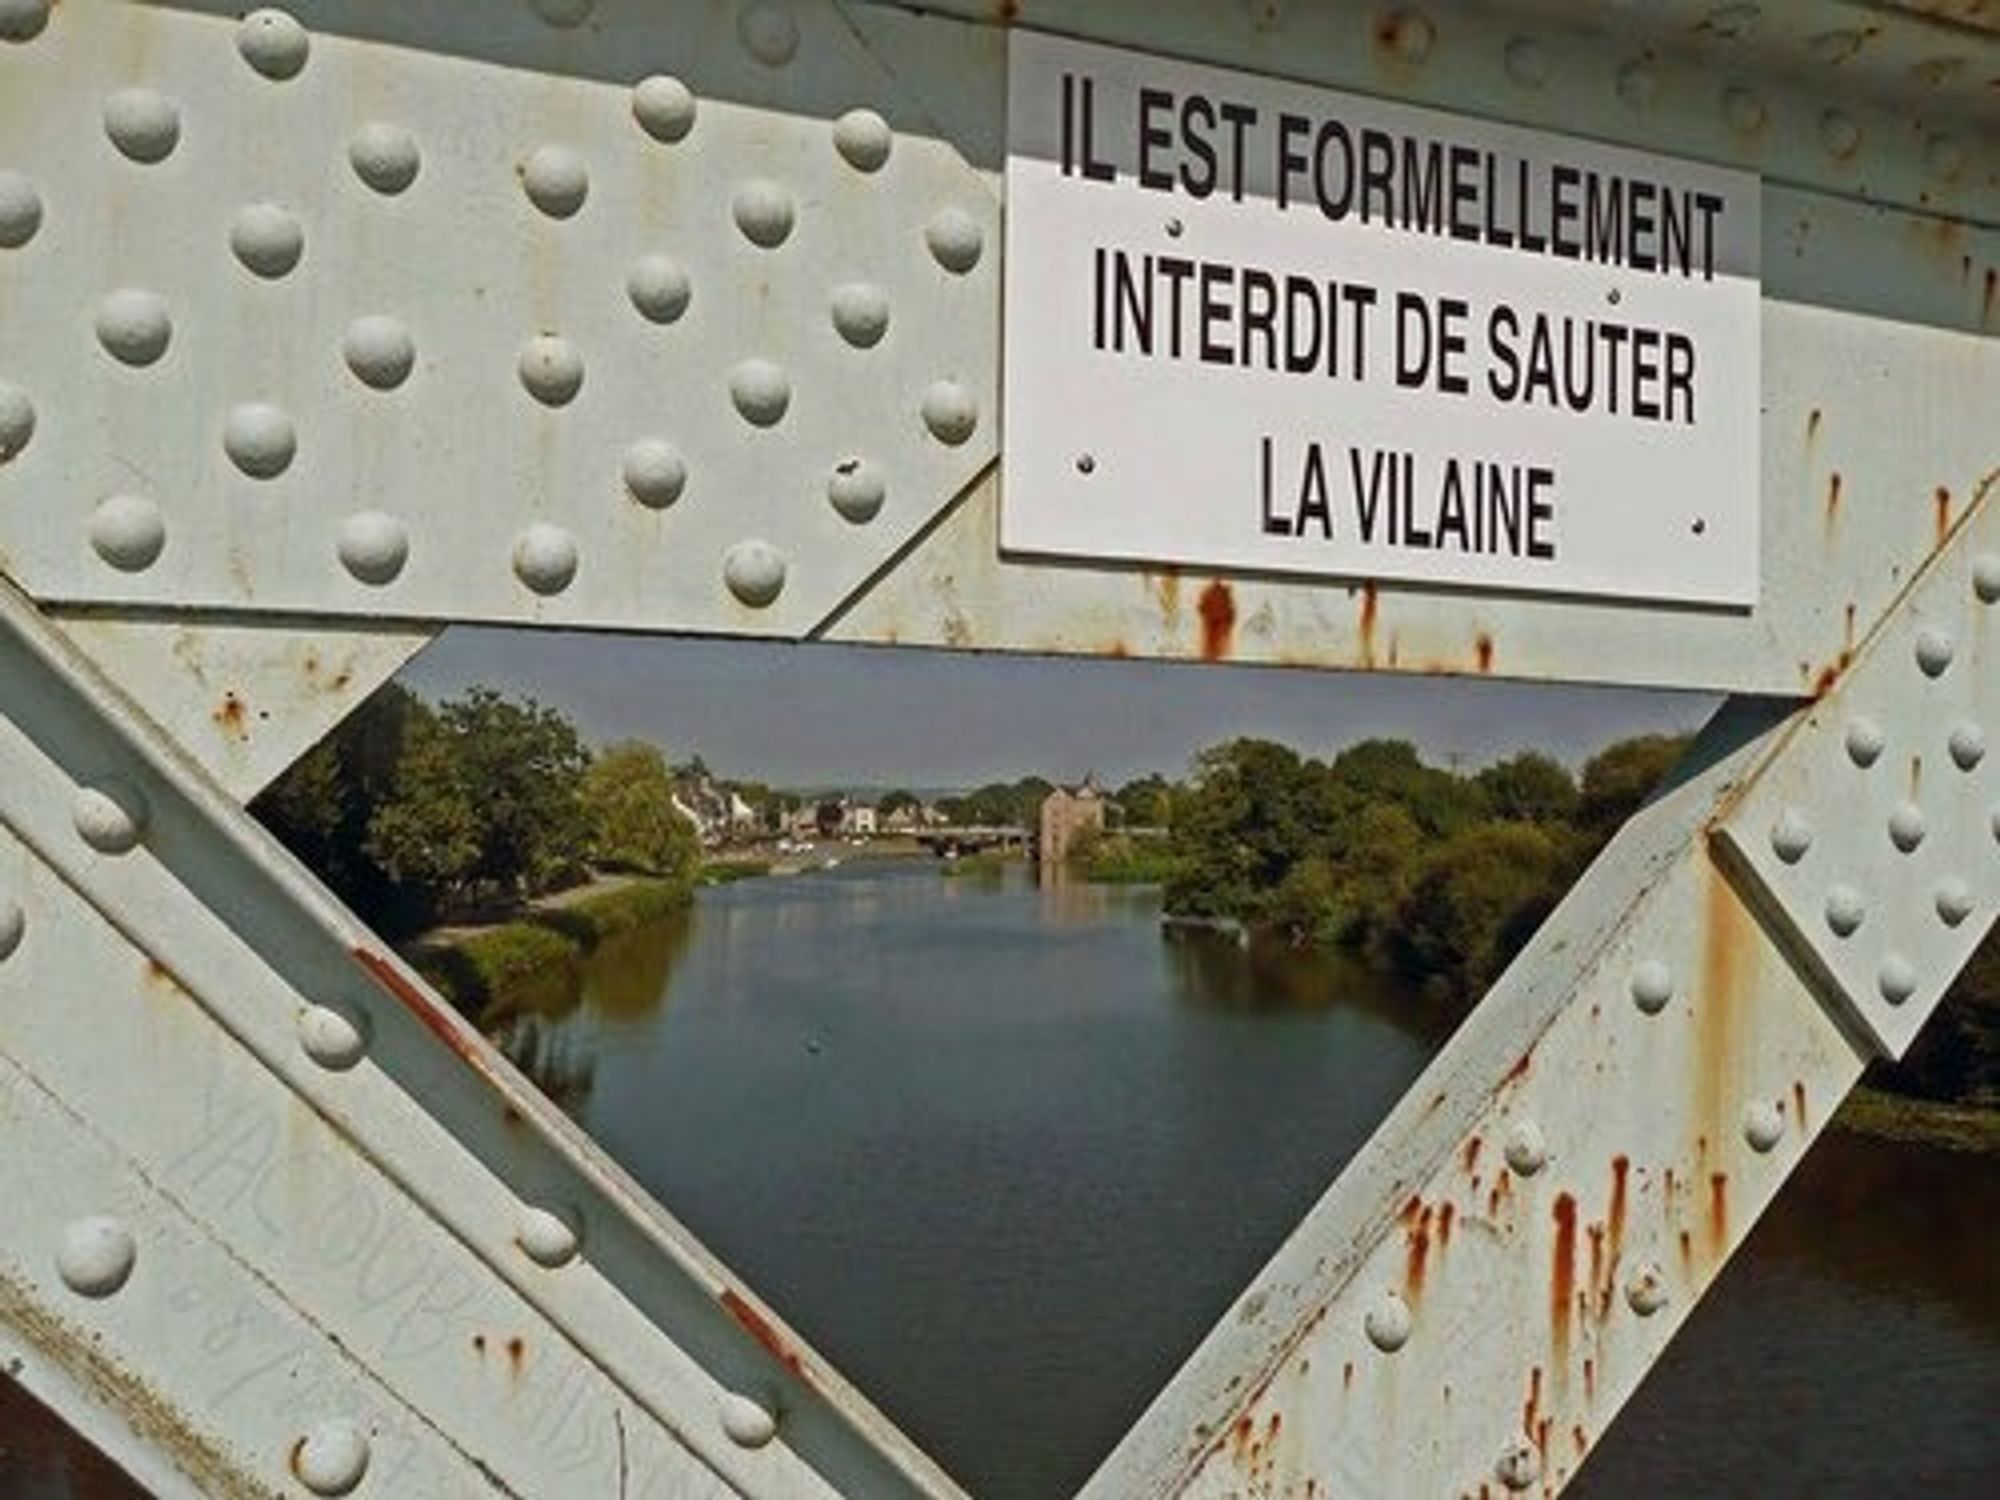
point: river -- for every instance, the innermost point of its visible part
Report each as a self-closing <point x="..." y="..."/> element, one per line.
<point x="1003" y="1154"/>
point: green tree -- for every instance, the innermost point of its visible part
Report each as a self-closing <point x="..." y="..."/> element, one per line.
<point x="627" y="801"/>
<point x="1620" y="778"/>
<point x="524" y="764"/>
<point x="897" y="801"/>
<point x="1529" y="788"/>
<point x="425" y="831"/>
<point x="1145" y="801"/>
<point x="1478" y="897"/>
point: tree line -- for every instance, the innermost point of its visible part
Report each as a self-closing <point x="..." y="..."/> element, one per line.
<point x="415" y="813"/>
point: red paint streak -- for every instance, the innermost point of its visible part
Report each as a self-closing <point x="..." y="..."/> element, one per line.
<point x="1799" y="1102"/>
<point x="1217" y="608"/>
<point x="1562" y="1279"/>
<point x="759" y="1328"/>
<point x="1718" y="1209"/>
<point x="1941" y="510"/>
<point x="440" y="1024"/>
<point x="1370" y="607"/>
<point x="1482" y="647"/>
<point x="1470" y="1156"/>
<point x="1621" y="1170"/>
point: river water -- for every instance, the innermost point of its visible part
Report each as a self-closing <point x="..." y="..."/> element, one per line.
<point x="1003" y="1154"/>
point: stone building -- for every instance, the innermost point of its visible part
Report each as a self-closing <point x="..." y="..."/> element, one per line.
<point x="1067" y="812"/>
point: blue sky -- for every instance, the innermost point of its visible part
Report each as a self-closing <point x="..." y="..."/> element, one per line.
<point x="825" y="715"/>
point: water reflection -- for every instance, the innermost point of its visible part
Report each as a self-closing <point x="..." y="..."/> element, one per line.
<point x="1216" y="970"/>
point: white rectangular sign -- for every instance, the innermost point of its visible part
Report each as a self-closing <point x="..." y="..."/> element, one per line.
<point x="1255" y="325"/>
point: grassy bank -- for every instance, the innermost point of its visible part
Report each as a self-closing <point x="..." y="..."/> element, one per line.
<point x="729" y="871"/>
<point x="1118" y="860"/>
<point x="1923" y="1122"/>
<point x="475" y="967"/>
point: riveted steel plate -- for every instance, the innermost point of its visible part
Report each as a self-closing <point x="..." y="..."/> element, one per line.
<point x="1876" y="836"/>
<point x="564" y="331"/>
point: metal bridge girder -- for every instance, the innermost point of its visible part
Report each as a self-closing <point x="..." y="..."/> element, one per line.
<point x="321" y="328"/>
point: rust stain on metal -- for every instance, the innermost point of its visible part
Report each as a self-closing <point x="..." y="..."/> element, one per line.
<point x="1812" y="424"/>
<point x="1941" y="513"/>
<point x="1589" y="1378"/>
<point x="1730" y="949"/>
<point x="231" y="718"/>
<point x="1417" y="1247"/>
<point x="479" y="1344"/>
<point x="1600" y="1281"/>
<point x="1217" y="608"/>
<point x="1520" y="1069"/>
<point x="1531" y="1408"/>
<point x="1916" y="774"/>
<point x="1482" y="649"/>
<point x="1470" y="1155"/>
<point x="1833" y="498"/>
<point x="759" y="1328"/>
<point x="418" y="1004"/>
<point x="517" y="1354"/>
<point x="1621" y="1171"/>
<point x="157" y="976"/>
<point x="1799" y="1103"/>
<point x="1447" y="1214"/>
<point x="1167" y="587"/>
<point x="1347" y="1376"/>
<point x="1371" y="604"/>
<point x="1562" y="1274"/>
<point x="1718" y="1210"/>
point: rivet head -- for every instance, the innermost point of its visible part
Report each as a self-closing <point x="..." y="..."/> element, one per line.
<point x="1934" y="652"/>
<point x="1745" y="111"/>
<point x="110" y="816"/>
<point x="1519" y="1464"/>
<point x="769" y="33"/>
<point x="763" y="212"/>
<point x="96" y="1256"/>
<point x="564" y="13"/>
<point x="861" y="313"/>
<point x="373" y="546"/>
<point x="1897" y="980"/>
<point x="1954" y="901"/>
<point x="546" y="1237"/>
<point x="1527" y="62"/>
<point x="659" y="288"/>
<point x="950" y="412"/>
<point x="267" y="240"/>
<point x="22" y="20"/>
<point x="20" y="210"/>
<point x="1763" y="1125"/>
<point x="331" y="1458"/>
<point x="748" y="1422"/>
<point x="273" y="43"/>
<point x="955" y="240"/>
<point x="143" y="124"/>
<point x="1986" y="577"/>
<point x="1525" y="1150"/>
<point x="333" y="1040"/>
<point x="1409" y="34"/>
<point x="1845" y="910"/>
<point x="134" y="326"/>
<point x="1945" y="157"/>
<point x="863" y="139"/>
<point x="259" y="439"/>
<point x="1906" y="826"/>
<point x="1638" y="84"/>
<point x="664" y="108"/>
<point x="1865" y="742"/>
<point x="1646" y="1289"/>
<point x="551" y="369"/>
<point x="1652" y="986"/>
<point x="1387" y="1323"/>
<point x="754" y="570"/>
<point x="379" y="351"/>
<point x="856" y="490"/>
<point x="761" y="391"/>
<point x="13" y="924"/>
<point x="1839" y="133"/>
<point x="17" y="420"/>
<point x="1791" y="836"/>
<point x="1967" y="744"/>
<point x="128" y="532"/>
<point x="545" y="558"/>
<point x="385" y="157"/>
<point x="556" y="180"/>
<point x="655" y="473"/>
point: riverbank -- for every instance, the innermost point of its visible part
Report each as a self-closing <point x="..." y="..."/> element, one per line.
<point x="476" y="966"/>
<point x="1881" y="1115"/>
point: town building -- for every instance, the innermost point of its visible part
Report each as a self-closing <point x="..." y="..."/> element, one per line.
<point x="1066" y="813"/>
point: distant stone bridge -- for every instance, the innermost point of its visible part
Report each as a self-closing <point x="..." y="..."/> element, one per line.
<point x="947" y="843"/>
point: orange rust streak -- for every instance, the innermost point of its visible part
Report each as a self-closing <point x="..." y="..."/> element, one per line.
<point x="1941" y="508"/>
<point x="1589" y="1379"/>
<point x="1562" y="1280"/>
<point x="414" y="1000"/>
<point x="1531" y="1408"/>
<point x="1621" y="1171"/>
<point x="759" y="1328"/>
<point x="1483" y="649"/>
<point x="1833" y="498"/>
<point x="1718" y="1209"/>
<point x="1217" y="608"/>
<point x="1419" y="1237"/>
<point x="1370" y="606"/>
<point x="1730" y="948"/>
<point x="1600" y="1282"/>
<point x="1799" y="1102"/>
<point x="517" y="1354"/>
<point x="1471" y="1154"/>
<point x="1447" y="1212"/>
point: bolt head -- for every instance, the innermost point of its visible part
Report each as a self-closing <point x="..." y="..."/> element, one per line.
<point x="748" y="1422"/>
<point x="1967" y="745"/>
<point x="1954" y="901"/>
<point x="1845" y="910"/>
<point x="1519" y="1464"/>
<point x="546" y="1236"/>
<point x="1897" y="980"/>
<point x="96" y="1256"/>
<point x="1387" y="1323"/>
<point x="1652" y="986"/>
<point x="332" y="1457"/>
<point x="1791" y="836"/>
<point x="1525" y="1150"/>
<point x="1865" y="742"/>
<point x="110" y="816"/>
<point x="1934" y="652"/>
<point x="1763" y="1125"/>
<point x="1906" y="826"/>
<point x="330" y="1038"/>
